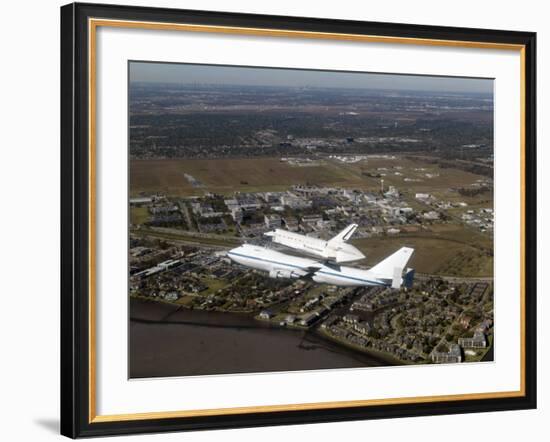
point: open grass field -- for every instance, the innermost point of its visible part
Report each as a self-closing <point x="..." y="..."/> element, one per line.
<point x="139" y="215"/>
<point x="226" y="176"/>
<point x="398" y="171"/>
<point x="458" y="252"/>
<point x="214" y="284"/>
<point x="186" y="237"/>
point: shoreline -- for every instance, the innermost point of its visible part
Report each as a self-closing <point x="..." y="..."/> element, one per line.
<point x="388" y="358"/>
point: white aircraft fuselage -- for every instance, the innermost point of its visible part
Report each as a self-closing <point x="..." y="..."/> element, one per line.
<point x="281" y="265"/>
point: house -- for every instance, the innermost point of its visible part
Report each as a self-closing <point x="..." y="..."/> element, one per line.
<point x="362" y="327"/>
<point x="231" y="204"/>
<point x="312" y="219"/>
<point x="465" y="321"/>
<point x="351" y="319"/>
<point x="432" y="215"/>
<point x="290" y="319"/>
<point x="309" y="319"/>
<point x="265" y="314"/>
<point x="422" y="196"/>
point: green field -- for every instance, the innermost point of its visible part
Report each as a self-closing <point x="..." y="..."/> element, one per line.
<point x="226" y="176"/>
<point x="458" y="252"/>
<point x="139" y="215"/>
<point x="184" y="236"/>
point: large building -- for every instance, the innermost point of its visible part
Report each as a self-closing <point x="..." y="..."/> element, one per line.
<point x="453" y="356"/>
<point x="311" y="219"/>
<point x="295" y="202"/>
<point x="291" y="223"/>
<point x="272" y="221"/>
<point x="477" y="341"/>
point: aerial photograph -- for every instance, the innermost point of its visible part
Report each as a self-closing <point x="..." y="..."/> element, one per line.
<point x="293" y="219"/>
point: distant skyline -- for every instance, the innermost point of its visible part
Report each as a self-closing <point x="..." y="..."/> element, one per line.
<point x="153" y="72"/>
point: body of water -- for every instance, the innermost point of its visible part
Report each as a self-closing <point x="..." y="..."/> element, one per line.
<point x="169" y="341"/>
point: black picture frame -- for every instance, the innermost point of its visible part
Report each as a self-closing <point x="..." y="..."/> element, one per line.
<point x="76" y="402"/>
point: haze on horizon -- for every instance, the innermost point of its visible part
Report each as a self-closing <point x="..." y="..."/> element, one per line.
<point x="180" y="73"/>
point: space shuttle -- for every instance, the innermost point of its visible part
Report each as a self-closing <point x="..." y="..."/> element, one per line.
<point x="335" y="249"/>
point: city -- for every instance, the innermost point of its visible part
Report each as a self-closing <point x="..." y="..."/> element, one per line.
<point x="215" y="166"/>
<point x="177" y="256"/>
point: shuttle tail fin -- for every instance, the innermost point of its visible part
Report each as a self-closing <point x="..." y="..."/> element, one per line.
<point x="345" y="234"/>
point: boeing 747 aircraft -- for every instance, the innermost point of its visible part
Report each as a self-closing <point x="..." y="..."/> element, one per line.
<point x="388" y="272"/>
<point x="335" y="249"/>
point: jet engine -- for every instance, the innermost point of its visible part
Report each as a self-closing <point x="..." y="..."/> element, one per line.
<point x="282" y="274"/>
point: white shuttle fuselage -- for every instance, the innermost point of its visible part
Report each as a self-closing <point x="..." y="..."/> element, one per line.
<point x="336" y="249"/>
<point x="280" y="265"/>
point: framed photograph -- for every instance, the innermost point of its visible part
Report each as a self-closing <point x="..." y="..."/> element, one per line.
<point x="274" y="220"/>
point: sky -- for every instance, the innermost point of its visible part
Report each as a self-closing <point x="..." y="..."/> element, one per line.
<point x="243" y="76"/>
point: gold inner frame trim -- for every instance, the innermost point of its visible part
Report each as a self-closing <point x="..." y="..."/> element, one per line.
<point x="298" y="34"/>
<point x="93" y="24"/>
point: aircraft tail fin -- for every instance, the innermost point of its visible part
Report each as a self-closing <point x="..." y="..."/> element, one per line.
<point x="392" y="267"/>
<point x="345" y="234"/>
